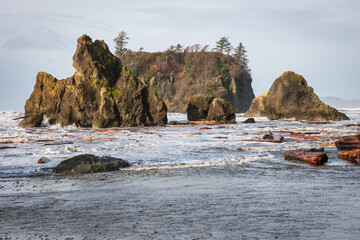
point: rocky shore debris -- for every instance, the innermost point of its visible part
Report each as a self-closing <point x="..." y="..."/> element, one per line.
<point x="87" y="163"/>
<point x="277" y="138"/>
<point x="313" y="156"/>
<point x="267" y="138"/>
<point x="102" y="93"/>
<point x="208" y="108"/>
<point x="291" y="97"/>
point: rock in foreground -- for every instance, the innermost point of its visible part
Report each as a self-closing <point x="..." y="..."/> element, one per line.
<point x="86" y="163"/>
<point x="291" y="97"/>
<point x="101" y="93"/>
<point x="203" y="107"/>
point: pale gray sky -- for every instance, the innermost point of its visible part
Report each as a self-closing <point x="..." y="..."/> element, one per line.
<point x="317" y="39"/>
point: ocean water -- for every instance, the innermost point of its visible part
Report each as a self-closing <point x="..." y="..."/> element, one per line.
<point x="177" y="146"/>
<point x="185" y="182"/>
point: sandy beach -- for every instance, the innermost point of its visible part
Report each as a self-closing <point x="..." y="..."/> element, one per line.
<point x="225" y="202"/>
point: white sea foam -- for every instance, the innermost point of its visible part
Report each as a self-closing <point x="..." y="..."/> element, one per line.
<point x="199" y="163"/>
<point x="70" y="149"/>
<point x="158" y="147"/>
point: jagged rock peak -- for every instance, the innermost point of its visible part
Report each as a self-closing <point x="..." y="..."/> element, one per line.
<point x="101" y="93"/>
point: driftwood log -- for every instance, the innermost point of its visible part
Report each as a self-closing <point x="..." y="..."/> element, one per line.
<point x="30" y="115"/>
<point x="304" y="137"/>
<point x="347" y="145"/>
<point x="306" y="156"/>
<point x="211" y="122"/>
<point x="354" y="138"/>
<point x="319" y="122"/>
<point x="350" y="155"/>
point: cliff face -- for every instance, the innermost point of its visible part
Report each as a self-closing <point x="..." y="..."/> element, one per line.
<point x="101" y="93"/>
<point x="177" y="76"/>
<point x="291" y="97"/>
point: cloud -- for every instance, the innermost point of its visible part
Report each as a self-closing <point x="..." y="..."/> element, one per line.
<point x="77" y="20"/>
<point x="38" y="37"/>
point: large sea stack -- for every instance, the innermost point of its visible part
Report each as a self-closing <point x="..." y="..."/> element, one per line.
<point x="102" y="93"/>
<point x="178" y="75"/>
<point x="291" y="97"/>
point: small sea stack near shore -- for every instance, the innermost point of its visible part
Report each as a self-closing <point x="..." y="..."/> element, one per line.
<point x="291" y="97"/>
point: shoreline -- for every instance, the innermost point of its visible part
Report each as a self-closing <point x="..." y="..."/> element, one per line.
<point x="234" y="202"/>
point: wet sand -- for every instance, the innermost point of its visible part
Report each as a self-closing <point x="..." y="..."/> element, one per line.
<point x="264" y="201"/>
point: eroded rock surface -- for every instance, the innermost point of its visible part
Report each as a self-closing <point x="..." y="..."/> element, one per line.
<point x="101" y="93"/>
<point x="291" y="97"/>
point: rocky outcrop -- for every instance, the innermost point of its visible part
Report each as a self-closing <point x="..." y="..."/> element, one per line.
<point x="101" y="93"/>
<point x="177" y="76"/>
<point x="204" y="107"/>
<point x="258" y="106"/>
<point x="291" y="97"/>
<point x="87" y="163"/>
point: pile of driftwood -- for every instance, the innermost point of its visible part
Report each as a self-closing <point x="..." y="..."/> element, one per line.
<point x="350" y="143"/>
<point x="352" y="146"/>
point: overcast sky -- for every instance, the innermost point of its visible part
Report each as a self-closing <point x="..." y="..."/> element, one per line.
<point x="317" y="39"/>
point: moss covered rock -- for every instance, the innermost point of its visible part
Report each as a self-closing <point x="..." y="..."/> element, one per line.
<point x="87" y="163"/>
<point x="101" y="93"/>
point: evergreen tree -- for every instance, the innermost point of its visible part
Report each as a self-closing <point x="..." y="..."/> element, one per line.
<point x="241" y="57"/>
<point x="179" y="48"/>
<point x="120" y="43"/>
<point x="223" y="45"/>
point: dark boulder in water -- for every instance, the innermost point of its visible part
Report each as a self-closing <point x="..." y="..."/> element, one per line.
<point x="291" y="97"/>
<point x="249" y="120"/>
<point x="87" y="163"/>
<point x="203" y="107"/>
<point x="198" y="107"/>
<point x="101" y="93"/>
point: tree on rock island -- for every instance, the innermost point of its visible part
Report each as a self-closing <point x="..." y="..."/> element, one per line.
<point x="241" y="57"/>
<point x="120" y="43"/>
<point x="223" y="45"/>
